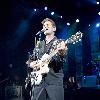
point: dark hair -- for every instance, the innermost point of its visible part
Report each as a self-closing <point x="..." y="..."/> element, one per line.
<point x="48" y="19"/>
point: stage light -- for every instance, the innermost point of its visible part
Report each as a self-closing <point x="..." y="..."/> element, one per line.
<point x="98" y="24"/>
<point x="34" y="9"/>
<point x="77" y="20"/>
<point x="98" y="13"/>
<point x="68" y="24"/>
<point x="52" y="13"/>
<point x="45" y="8"/>
<point x="84" y="77"/>
<point x="97" y="3"/>
<point x="60" y="16"/>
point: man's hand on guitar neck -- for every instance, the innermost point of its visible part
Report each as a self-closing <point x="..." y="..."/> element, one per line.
<point x="61" y="48"/>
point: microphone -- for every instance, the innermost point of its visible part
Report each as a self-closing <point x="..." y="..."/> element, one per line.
<point x="39" y="32"/>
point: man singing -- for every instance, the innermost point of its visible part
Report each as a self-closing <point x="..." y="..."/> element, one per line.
<point x="51" y="86"/>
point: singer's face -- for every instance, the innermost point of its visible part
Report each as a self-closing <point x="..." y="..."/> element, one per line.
<point x="48" y="27"/>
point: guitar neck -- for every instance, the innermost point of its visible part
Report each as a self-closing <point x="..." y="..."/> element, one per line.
<point x="72" y="39"/>
<point x="52" y="54"/>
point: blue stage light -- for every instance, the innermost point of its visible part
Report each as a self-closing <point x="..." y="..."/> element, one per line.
<point x="98" y="24"/>
<point x="97" y="3"/>
<point x="98" y="13"/>
<point x="77" y="20"/>
<point x="60" y="16"/>
<point x="68" y="24"/>
<point x="52" y="13"/>
<point x="45" y="8"/>
<point x="34" y="9"/>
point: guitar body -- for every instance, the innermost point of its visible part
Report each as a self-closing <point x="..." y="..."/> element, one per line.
<point x="36" y="75"/>
<point x="36" y="78"/>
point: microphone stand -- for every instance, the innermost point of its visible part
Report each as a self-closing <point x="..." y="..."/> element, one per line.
<point x="28" y="86"/>
<point x="37" y="44"/>
<point x="36" y="53"/>
<point x="39" y="37"/>
<point x="28" y="72"/>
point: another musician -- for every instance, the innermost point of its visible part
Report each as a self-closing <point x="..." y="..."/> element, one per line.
<point x="51" y="86"/>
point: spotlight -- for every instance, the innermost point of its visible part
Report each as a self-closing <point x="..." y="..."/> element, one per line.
<point x="77" y="20"/>
<point x="60" y="16"/>
<point x="98" y="24"/>
<point x="45" y="8"/>
<point x="98" y="13"/>
<point x="89" y="25"/>
<point x="68" y="24"/>
<point x="84" y="77"/>
<point x="34" y="9"/>
<point x="97" y="3"/>
<point x="52" y="13"/>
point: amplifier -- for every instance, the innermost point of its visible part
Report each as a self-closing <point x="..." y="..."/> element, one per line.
<point x="89" y="81"/>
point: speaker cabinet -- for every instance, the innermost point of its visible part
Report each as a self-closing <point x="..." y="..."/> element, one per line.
<point x="89" y="81"/>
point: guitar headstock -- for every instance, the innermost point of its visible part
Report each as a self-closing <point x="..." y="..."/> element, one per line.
<point x="75" y="38"/>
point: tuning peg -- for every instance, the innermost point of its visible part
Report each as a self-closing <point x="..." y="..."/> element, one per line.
<point x="81" y="34"/>
<point x="79" y="31"/>
<point x="76" y="41"/>
<point x="73" y="42"/>
<point x="79" y="39"/>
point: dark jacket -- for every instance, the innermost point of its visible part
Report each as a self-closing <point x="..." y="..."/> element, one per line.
<point x="52" y="82"/>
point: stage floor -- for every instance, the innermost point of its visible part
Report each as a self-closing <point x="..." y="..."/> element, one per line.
<point x="83" y="94"/>
<point x="79" y="94"/>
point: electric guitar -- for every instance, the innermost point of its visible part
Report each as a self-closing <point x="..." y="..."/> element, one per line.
<point x="36" y="74"/>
